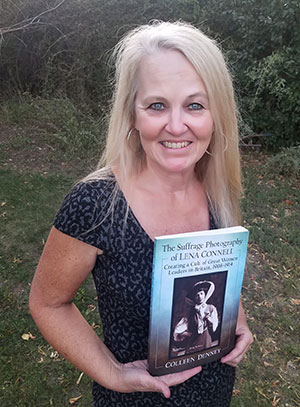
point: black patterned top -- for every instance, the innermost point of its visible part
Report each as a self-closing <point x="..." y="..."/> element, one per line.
<point x="122" y="276"/>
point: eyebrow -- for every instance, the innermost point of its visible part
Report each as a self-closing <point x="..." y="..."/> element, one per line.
<point x="198" y="94"/>
<point x="150" y="98"/>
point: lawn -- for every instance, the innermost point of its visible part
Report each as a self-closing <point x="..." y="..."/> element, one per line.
<point x="34" y="177"/>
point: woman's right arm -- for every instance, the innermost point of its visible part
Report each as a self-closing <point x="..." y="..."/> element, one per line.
<point x="64" y="265"/>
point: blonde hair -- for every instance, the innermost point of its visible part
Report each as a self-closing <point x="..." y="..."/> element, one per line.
<point x="219" y="170"/>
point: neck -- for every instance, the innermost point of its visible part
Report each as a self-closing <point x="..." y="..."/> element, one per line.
<point x="155" y="179"/>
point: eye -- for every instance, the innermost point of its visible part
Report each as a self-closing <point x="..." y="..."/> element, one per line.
<point x="157" y="106"/>
<point x="195" y="106"/>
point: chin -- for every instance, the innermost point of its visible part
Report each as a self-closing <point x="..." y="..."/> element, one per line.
<point x="180" y="167"/>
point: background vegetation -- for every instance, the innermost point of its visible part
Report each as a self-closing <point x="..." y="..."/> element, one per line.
<point x="65" y="51"/>
<point x="54" y="95"/>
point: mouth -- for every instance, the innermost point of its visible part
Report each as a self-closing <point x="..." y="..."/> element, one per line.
<point x="175" y="146"/>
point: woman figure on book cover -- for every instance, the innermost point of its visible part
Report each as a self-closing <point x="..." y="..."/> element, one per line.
<point x="171" y="165"/>
<point x="193" y="330"/>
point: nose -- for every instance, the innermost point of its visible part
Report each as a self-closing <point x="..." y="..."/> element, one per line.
<point x="176" y="125"/>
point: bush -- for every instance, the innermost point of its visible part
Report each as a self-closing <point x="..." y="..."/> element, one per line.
<point x="273" y="101"/>
<point x="286" y="162"/>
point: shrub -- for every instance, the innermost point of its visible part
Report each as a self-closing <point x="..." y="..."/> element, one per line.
<point x="286" y="162"/>
<point x="273" y="101"/>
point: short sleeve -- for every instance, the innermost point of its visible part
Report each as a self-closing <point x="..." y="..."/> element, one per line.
<point x="83" y="211"/>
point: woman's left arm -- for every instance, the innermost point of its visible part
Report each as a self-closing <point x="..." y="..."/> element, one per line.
<point x="244" y="339"/>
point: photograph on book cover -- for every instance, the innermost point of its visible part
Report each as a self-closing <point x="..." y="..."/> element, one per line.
<point x="197" y="313"/>
<point x="196" y="285"/>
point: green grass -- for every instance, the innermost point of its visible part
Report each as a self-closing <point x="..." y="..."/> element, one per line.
<point x="33" y="374"/>
<point x="271" y="207"/>
<point x="58" y="122"/>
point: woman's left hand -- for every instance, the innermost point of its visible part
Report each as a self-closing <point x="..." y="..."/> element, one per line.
<point x="244" y="339"/>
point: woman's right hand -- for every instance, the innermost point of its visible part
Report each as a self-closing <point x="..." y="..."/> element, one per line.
<point x="135" y="377"/>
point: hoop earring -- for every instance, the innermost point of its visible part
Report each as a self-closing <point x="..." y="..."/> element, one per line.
<point x="226" y="144"/>
<point x="130" y="133"/>
<point x="209" y="153"/>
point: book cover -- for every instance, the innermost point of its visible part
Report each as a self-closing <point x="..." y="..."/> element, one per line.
<point x="196" y="286"/>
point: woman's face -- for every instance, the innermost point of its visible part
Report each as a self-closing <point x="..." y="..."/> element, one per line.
<point x="200" y="297"/>
<point x="172" y="112"/>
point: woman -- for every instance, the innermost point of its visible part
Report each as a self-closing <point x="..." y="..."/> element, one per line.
<point x="171" y="165"/>
<point x="192" y="331"/>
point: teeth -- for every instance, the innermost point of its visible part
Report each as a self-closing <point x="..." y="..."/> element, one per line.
<point x="168" y="144"/>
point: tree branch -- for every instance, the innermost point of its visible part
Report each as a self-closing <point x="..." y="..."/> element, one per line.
<point x="28" y="22"/>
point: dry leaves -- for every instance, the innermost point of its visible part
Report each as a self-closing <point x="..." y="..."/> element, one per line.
<point x="260" y="391"/>
<point x="295" y="301"/>
<point x="27" y="336"/>
<point x="74" y="399"/>
<point x="55" y="356"/>
<point x="40" y="350"/>
<point x="79" y="378"/>
<point x="275" y="400"/>
<point x="94" y="326"/>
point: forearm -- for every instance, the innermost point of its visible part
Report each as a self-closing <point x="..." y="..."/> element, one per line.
<point x="69" y="333"/>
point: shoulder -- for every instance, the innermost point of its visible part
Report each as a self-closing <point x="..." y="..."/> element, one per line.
<point x="87" y="193"/>
<point x="91" y="190"/>
<point x="84" y="207"/>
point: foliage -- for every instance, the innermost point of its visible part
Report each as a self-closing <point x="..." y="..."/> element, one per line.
<point x="261" y="40"/>
<point x="273" y="100"/>
<point x="73" y="131"/>
<point x="67" y="50"/>
<point x="286" y="162"/>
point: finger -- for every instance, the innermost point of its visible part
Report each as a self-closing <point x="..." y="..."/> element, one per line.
<point x="164" y="389"/>
<point x="236" y="355"/>
<point x="139" y="379"/>
<point x="229" y="360"/>
<point x="157" y="385"/>
<point x="160" y="384"/>
<point x="173" y="378"/>
<point x="176" y="378"/>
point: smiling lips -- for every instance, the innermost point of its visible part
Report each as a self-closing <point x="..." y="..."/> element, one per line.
<point x="169" y="144"/>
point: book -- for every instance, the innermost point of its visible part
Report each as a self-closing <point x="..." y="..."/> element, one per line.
<point x="196" y="285"/>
